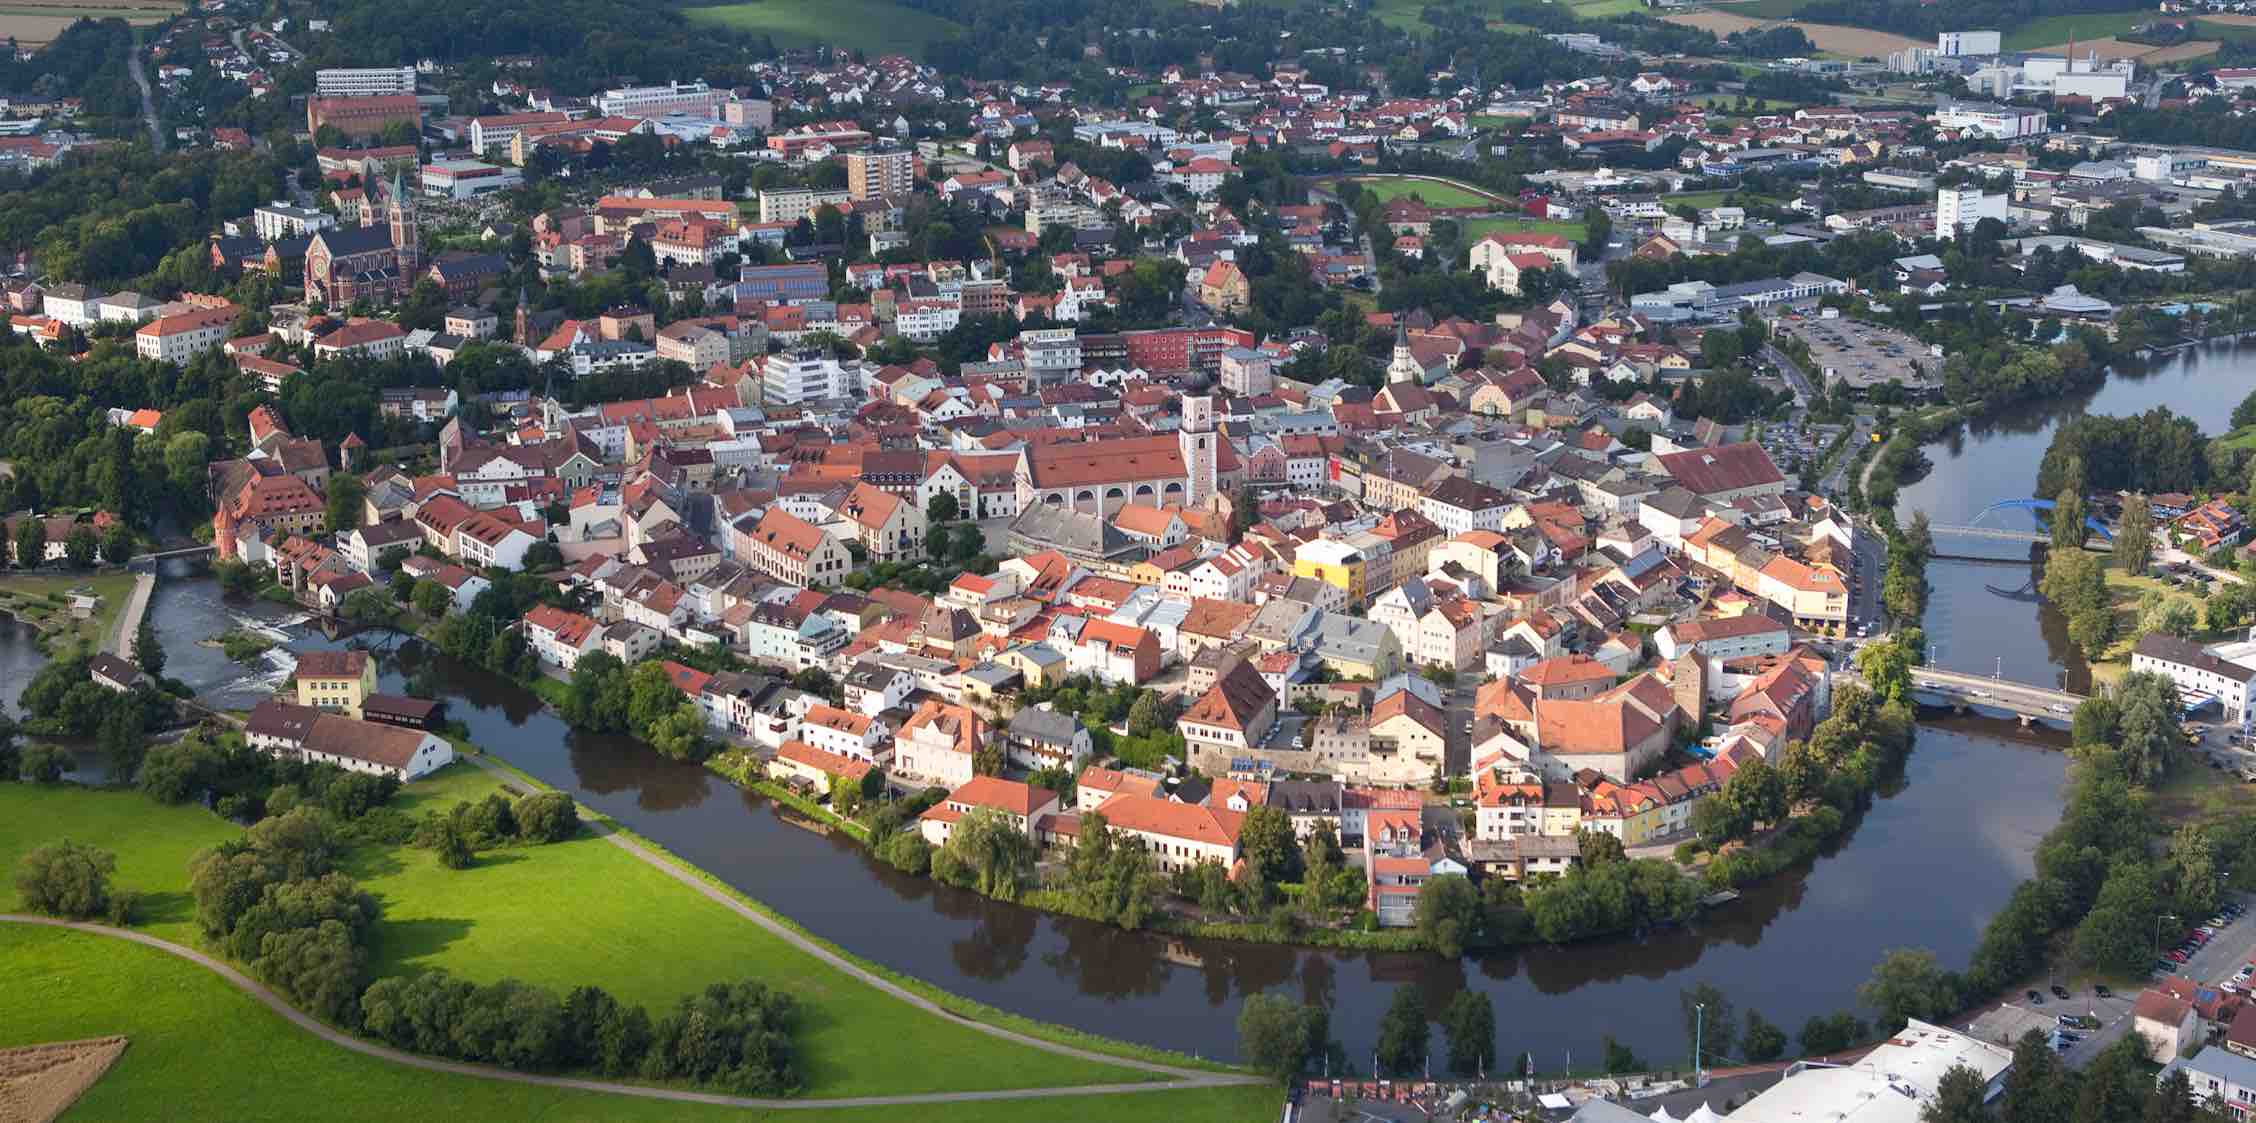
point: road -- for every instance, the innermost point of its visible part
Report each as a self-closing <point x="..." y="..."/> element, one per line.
<point x="1996" y="693"/>
<point x="148" y="97"/>
<point x="1796" y="379"/>
<point x="2214" y="963"/>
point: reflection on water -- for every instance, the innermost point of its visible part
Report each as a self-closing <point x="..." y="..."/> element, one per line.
<point x="1925" y="866"/>
<point x="1986" y="619"/>
<point x="1793" y="947"/>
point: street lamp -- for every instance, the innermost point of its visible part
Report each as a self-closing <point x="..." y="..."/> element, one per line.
<point x="2157" y="949"/>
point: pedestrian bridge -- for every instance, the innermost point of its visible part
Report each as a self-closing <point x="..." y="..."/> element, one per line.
<point x="1973" y="528"/>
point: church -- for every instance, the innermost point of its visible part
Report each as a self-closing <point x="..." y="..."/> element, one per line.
<point x="376" y="262"/>
<point x="1186" y="468"/>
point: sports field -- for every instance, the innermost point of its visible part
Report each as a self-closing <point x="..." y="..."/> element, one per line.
<point x="1436" y="193"/>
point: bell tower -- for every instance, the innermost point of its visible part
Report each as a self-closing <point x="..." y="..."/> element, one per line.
<point x="1197" y="437"/>
<point x="401" y="211"/>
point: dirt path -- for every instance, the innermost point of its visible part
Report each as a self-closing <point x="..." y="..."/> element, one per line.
<point x="341" y="1039"/>
<point x="129" y="621"/>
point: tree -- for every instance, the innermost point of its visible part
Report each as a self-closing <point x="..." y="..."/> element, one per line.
<point x="450" y="840"/>
<point x="1832" y="1034"/>
<point x="1149" y="715"/>
<point x="1960" y="1097"/>
<point x="942" y="509"/>
<point x="1599" y="848"/>
<point x="2068" y="528"/>
<point x="987" y="852"/>
<point x="2038" y="1088"/>
<point x="117" y="543"/>
<point x="1403" y="1033"/>
<point x="2134" y="535"/>
<point x="1280" y="1037"/>
<point x="1907" y="984"/>
<point x="346" y="496"/>
<point x="1708" y="1016"/>
<point x="1448" y="913"/>
<point x="1470" y="1022"/>
<point x="1619" y="1057"/>
<point x="81" y="546"/>
<point x="432" y="599"/>
<point x="44" y="763"/>
<point x="1761" y="1041"/>
<point x="547" y="817"/>
<point x="148" y="651"/>
<point x="66" y="879"/>
<point x="1267" y="843"/>
<point x="31" y="543"/>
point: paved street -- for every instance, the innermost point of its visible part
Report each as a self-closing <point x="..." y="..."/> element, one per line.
<point x="2213" y="964"/>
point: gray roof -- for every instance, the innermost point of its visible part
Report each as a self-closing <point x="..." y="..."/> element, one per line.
<point x="1034" y="723"/>
<point x="1349" y="637"/>
<point x="1077" y="535"/>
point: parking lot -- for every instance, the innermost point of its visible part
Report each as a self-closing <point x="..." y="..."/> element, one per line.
<point x="2212" y="964"/>
<point x="1792" y="444"/>
<point x="1865" y="355"/>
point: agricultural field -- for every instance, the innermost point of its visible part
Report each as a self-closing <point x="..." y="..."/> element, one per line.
<point x="1436" y="193"/>
<point x="1831" y="39"/>
<point x="577" y="912"/>
<point x="201" y="1050"/>
<point x="2045" y="32"/>
<point x="33" y="24"/>
<point x="870" y="25"/>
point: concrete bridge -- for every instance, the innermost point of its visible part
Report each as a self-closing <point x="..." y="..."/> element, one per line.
<point x="2018" y="698"/>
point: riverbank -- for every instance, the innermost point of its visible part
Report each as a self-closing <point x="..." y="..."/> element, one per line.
<point x="44" y="601"/>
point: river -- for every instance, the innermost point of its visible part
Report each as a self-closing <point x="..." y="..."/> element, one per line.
<point x="1974" y="798"/>
<point x="1984" y="618"/>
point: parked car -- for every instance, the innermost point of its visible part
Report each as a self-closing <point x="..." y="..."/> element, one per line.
<point x="2060" y="992"/>
<point x="2101" y="990"/>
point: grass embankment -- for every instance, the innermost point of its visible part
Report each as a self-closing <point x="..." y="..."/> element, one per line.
<point x="955" y="1004"/>
<point x="43" y="600"/>
<point x="578" y="912"/>
<point x="870" y="25"/>
<point x="200" y="1049"/>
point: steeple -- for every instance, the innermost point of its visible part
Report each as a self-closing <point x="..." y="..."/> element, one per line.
<point x="401" y="212"/>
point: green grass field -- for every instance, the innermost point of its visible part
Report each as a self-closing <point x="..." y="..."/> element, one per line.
<point x="582" y="911"/>
<point x="201" y="1050"/>
<point x="2047" y="31"/>
<point x="25" y="593"/>
<point x="1706" y="199"/>
<point x="1436" y="193"/>
<point x="871" y="25"/>
<point x="152" y="842"/>
<point x="1482" y="227"/>
<point x="1763" y="9"/>
<point x="1601" y="9"/>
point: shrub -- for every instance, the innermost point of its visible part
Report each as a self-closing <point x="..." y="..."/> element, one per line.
<point x="67" y="879"/>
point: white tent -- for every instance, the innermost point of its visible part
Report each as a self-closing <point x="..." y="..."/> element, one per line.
<point x="1704" y="1114"/>
<point x="1661" y="1115"/>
